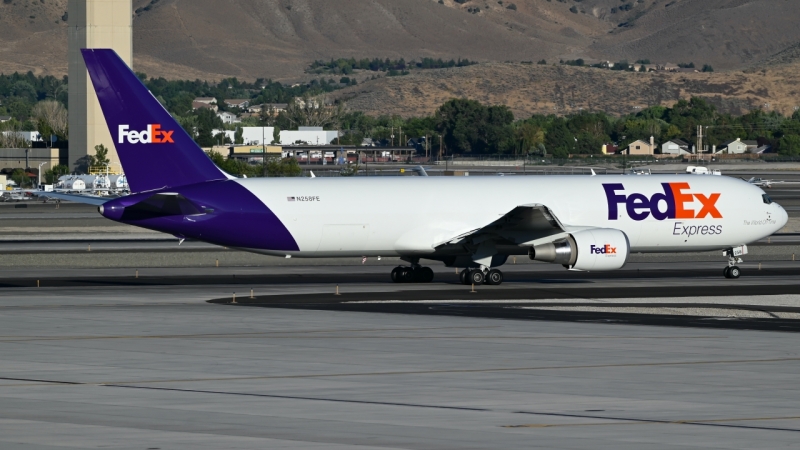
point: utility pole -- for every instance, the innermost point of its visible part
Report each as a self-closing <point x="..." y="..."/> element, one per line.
<point x="699" y="139"/>
<point x="264" y="149"/>
<point x="441" y="146"/>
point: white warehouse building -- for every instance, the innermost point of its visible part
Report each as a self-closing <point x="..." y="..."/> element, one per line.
<point x="302" y="136"/>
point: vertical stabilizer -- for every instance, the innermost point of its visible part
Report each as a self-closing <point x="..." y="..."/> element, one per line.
<point x="154" y="149"/>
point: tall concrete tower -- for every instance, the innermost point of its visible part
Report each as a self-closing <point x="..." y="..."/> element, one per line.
<point x="94" y="24"/>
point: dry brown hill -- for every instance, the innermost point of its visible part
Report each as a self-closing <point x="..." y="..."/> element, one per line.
<point x="529" y="89"/>
<point x="279" y="38"/>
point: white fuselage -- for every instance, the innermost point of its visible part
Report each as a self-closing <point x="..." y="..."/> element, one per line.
<point x="407" y="216"/>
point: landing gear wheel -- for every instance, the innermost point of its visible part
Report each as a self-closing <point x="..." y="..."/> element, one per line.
<point x="408" y="275"/>
<point x="726" y="272"/>
<point x="476" y="277"/>
<point x="397" y="275"/>
<point x="463" y="277"/>
<point x="734" y="272"/>
<point x="494" y="277"/>
<point x="425" y="275"/>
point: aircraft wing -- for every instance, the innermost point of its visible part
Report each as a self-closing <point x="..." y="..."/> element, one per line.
<point x="87" y="199"/>
<point x="523" y="224"/>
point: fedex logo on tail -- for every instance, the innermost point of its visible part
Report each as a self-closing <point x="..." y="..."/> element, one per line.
<point x="152" y="135"/>
<point x="676" y="202"/>
<point x="604" y="250"/>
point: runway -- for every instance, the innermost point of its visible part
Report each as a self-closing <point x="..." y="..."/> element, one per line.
<point x="158" y="367"/>
<point x="136" y="343"/>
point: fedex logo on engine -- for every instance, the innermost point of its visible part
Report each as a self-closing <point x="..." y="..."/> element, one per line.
<point x="604" y="250"/>
<point x="152" y="135"/>
<point x="676" y="202"/>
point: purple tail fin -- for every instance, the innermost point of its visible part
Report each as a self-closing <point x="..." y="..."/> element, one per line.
<point x="154" y="150"/>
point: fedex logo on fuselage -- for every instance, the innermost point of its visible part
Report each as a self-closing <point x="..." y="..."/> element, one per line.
<point x="674" y="203"/>
<point x="152" y="135"/>
<point x="604" y="250"/>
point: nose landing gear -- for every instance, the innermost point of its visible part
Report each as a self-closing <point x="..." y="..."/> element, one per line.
<point x="731" y="272"/>
<point x="733" y="254"/>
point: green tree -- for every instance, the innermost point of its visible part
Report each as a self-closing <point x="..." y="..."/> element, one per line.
<point x="207" y="121"/>
<point x="21" y="178"/>
<point x="789" y="145"/>
<point x="286" y="167"/>
<point x="100" y="155"/>
<point x="559" y="141"/>
<point x="276" y="135"/>
<point x="51" y="176"/>
<point x="239" y="136"/>
<point x="469" y="127"/>
<point x="529" y="136"/>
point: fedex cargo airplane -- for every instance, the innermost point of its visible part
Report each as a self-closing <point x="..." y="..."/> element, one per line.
<point x="590" y="223"/>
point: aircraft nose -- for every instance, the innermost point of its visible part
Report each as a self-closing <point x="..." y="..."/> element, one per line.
<point x="782" y="217"/>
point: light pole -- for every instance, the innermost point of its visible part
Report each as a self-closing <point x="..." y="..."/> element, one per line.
<point x="40" y="172"/>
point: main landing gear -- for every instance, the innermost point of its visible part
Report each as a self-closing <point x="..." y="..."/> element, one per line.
<point x="413" y="274"/>
<point x="491" y="277"/>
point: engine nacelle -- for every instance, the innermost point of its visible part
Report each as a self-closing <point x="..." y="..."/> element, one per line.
<point x="597" y="249"/>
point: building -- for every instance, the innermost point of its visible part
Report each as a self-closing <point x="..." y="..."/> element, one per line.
<point x="258" y="135"/>
<point x="203" y="105"/>
<point x="230" y="135"/>
<point x="5" y="119"/>
<point x="609" y="149"/>
<point x="24" y="158"/>
<point x="308" y="136"/>
<point x="254" y="154"/>
<point x="237" y="103"/>
<point x="303" y="136"/>
<point x="206" y="100"/>
<point x="641" y="147"/>
<point x="228" y="118"/>
<point x="739" y="146"/>
<point x="94" y="24"/>
<point x="29" y="136"/>
<point x="676" y="147"/>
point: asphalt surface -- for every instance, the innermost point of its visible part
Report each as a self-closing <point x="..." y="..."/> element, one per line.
<point x="137" y="343"/>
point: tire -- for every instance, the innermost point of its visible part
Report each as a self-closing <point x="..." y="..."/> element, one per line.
<point x="476" y="277"/>
<point x="408" y="275"/>
<point x="396" y="275"/>
<point x="426" y="275"/>
<point x="462" y="277"/>
<point x="494" y="278"/>
<point x="734" y="272"/>
<point x="726" y="272"/>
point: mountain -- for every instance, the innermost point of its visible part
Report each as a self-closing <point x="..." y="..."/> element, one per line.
<point x="278" y="39"/>
<point x="548" y="89"/>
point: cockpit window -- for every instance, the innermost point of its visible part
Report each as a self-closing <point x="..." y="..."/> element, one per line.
<point x="767" y="200"/>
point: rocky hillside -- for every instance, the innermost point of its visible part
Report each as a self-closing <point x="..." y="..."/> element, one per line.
<point x="211" y="39"/>
<point x="529" y="89"/>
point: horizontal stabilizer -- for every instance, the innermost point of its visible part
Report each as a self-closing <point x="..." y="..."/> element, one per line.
<point x="85" y="199"/>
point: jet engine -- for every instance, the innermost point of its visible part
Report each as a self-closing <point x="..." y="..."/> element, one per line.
<point x="598" y="249"/>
